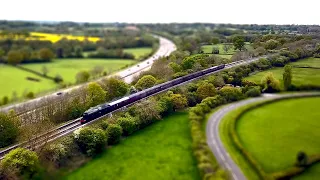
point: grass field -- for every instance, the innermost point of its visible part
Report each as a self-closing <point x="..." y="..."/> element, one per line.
<point x="305" y="76"/>
<point x="160" y="151"/>
<point x="13" y="79"/>
<point x="68" y="68"/>
<point x="222" y="52"/>
<point x="138" y="52"/>
<point x="276" y="132"/>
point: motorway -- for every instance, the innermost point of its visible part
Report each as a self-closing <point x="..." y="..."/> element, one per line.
<point x="213" y="136"/>
<point x="166" y="47"/>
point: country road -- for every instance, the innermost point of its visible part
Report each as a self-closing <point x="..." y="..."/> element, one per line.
<point x="166" y="47"/>
<point x="213" y="136"/>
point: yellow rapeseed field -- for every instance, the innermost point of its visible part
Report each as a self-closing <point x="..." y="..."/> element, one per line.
<point x="51" y="37"/>
<point x="56" y="37"/>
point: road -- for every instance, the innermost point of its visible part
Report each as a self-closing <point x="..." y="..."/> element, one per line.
<point x="166" y="47"/>
<point x="213" y="137"/>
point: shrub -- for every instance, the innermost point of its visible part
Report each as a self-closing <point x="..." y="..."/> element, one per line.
<point x="21" y="161"/>
<point x="58" y="78"/>
<point x="90" y="141"/>
<point x="8" y="130"/>
<point x="302" y="159"/>
<point x="179" y="101"/>
<point x="114" y="132"/>
<point x="30" y="95"/>
<point x="145" y="82"/>
<point x="231" y="93"/>
<point x="254" y="91"/>
<point x="5" y="100"/>
<point x="128" y="125"/>
<point x="82" y="76"/>
<point x="166" y="105"/>
<point x="55" y="153"/>
<point x="104" y="124"/>
<point x="206" y="90"/>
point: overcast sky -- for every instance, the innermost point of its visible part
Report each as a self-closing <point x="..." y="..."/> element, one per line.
<point x="165" y="11"/>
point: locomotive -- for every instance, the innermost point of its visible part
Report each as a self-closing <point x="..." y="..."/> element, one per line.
<point x="103" y="109"/>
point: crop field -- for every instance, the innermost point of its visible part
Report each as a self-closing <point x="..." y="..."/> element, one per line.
<point x="160" y="151"/>
<point x="13" y="79"/>
<point x="305" y="76"/>
<point x="275" y="133"/>
<point x="68" y="68"/>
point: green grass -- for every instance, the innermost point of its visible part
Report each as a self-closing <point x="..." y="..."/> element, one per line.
<point x="13" y="79"/>
<point x="68" y="68"/>
<point x="276" y="132"/>
<point x="301" y="76"/>
<point x="222" y="52"/>
<point x="160" y="151"/>
<point x="138" y="52"/>
<point x="311" y="173"/>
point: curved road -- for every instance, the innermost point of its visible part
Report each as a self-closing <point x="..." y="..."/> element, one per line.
<point x="166" y="47"/>
<point x="213" y="137"/>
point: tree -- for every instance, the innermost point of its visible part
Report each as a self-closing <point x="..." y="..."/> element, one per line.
<point x="215" y="50"/>
<point x="254" y="91"/>
<point x="215" y="40"/>
<point x="238" y="42"/>
<point x="147" y="111"/>
<point x="78" y="51"/>
<point x="231" y="93"/>
<point x="90" y="141"/>
<point x="206" y="90"/>
<point x="97" y="71"/>
<point x="179" y="101"/>
<point x="82" y="76"/>
<point x="95" y="95"/>
<point x="44" y="70"/>
<point x="9" y="129"/>
<point x="227" y="47"/>
<point x="271" y="44"/>
<point x="302" y="159"/>
<point x="58" y="78"/>
<point x="114" y="132"/>
<point x="46" y="54"/>
<point x="14" y="57"/>
<point x="30" y="95"/>
<point x="5" y="100"/>
<point x="188" y="62"/>
<point x="21" y="162"/>
<point x="114" y="88"/>
<point x="287" y="76"/>
<point x="270" y="83"/>
<point x="145" y="82"/>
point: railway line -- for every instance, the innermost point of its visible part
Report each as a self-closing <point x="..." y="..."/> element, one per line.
<point x="73" y="125"/>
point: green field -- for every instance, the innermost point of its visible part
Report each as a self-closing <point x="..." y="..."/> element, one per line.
<point x="160" y="151"/>
<point x="68" y="68"/>
<point x="222" y="52"/>
<point x="13" y="79"/>
<point x="301" y="76"/>
<point x="137" y="52"/>
<point x="275" y="133"/>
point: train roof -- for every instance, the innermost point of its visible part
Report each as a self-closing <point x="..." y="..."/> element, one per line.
<point x="118" y="101"/>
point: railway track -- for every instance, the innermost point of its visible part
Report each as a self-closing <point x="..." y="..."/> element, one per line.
<point x="73" y="125"/>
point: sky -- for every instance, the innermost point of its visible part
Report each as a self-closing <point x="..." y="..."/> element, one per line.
<point x="165" y="11"/>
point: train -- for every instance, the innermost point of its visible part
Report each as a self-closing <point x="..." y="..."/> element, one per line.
<point x="103" y="109"/>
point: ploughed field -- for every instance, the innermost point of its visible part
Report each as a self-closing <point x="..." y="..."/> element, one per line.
<point x="275" y="133"/>
<point x="309" y="75"/>
<point x="160" y="151"/>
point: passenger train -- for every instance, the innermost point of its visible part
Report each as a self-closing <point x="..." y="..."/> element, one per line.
<point x="103" y="109"/>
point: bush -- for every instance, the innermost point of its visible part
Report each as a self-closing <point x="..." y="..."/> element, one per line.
<point x="114" y="132"/>
<point x="21" y="161"/>
<point x="302" y="159"/>
<point x="270" y="83"/>
<point x="58" y="78"/>
<point x="145" y="82"/>
<point x="82" y="76"/>
<point x="9" y="130"/>
<point x="231" y="93"/>
<point x="55" y="153"/>
<point x="128" y="125"/>
<point x="179" y="101"/>
<point x="206" y="90"/>
<point x="166" y="105"/>
<point x="5" y="100"/>
<point x="90" y="141"/>
<point x="30" y="95"/>
<point x="254" y="91"/>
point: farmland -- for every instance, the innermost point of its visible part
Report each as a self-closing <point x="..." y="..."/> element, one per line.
<point x="301" y="76"/>
<point x="160" y="151"/>
<point x="68" y="68"/>
<point x="268" y="131"/>
<point x="14" y="80"/>
<point x="222" y="53"/>
<point x="138" y="52"/>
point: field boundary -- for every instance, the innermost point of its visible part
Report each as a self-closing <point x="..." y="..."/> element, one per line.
<point x="236" y="142"/>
